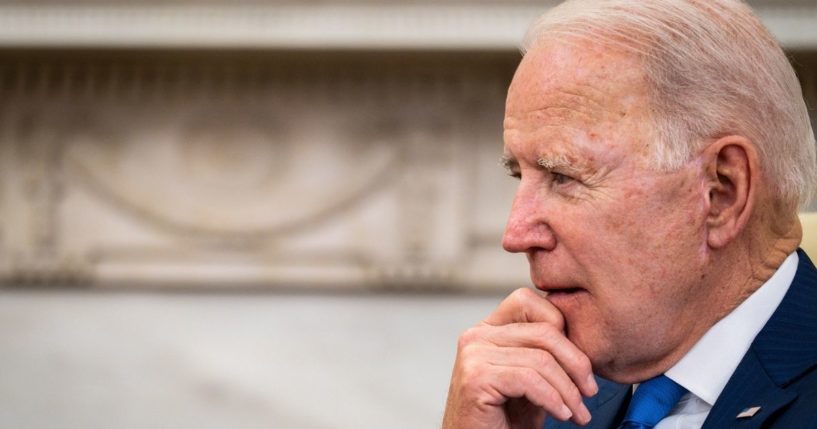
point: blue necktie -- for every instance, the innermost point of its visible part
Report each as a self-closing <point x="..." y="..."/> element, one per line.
<point x="651" y="402"/>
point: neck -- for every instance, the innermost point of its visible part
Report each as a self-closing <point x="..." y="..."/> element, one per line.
<point x="737" y="271"/>
<point x="755" y="257"/>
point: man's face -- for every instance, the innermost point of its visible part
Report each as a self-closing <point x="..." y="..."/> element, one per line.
<point x="620" y="246"/>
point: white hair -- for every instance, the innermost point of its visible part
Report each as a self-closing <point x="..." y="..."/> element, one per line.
<point x="713" y="70"/>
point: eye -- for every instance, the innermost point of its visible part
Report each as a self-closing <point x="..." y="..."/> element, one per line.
<point x="560" y="179"/>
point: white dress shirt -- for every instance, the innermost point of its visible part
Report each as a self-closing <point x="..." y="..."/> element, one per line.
<point x="707" y="367"/>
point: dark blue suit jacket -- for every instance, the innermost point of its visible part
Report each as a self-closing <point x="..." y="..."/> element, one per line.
<point x="777" y="374"/>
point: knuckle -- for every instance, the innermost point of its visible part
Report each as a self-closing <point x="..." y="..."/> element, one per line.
<point x="470" y="362"/>
<point x="522" y="296"/>
<point x="548" y="332"/>
<point x="544" y="359"/>
<point x="469" y="353"/>
<point x="469" y="336"/>
<point x="558" y="321"/>
<point x="516" y="299"/>
<point x="529" y="374"/>
<point x="583" y="364"/>
<point x="573" y="395"/>
<point x="472" y="377"/>
<point x="553" y="397"/>
<point x="469" y="371"/>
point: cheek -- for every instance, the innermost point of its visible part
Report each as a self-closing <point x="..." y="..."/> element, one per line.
<point x="662" y="213"/>
<point x="626" y="223"/>
<point x="643" y="240"/>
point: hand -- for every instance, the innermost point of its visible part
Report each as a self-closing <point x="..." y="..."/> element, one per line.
<point x="516" y="367"/>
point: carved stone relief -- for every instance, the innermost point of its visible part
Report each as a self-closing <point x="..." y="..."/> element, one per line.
<point x="149" y="174"/>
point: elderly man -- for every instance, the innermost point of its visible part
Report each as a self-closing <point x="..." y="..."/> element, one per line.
<point x="662" y="148"/>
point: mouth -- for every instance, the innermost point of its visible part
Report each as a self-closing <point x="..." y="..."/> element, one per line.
<point x="563" y="294"/>
<point x="563" y="291"/>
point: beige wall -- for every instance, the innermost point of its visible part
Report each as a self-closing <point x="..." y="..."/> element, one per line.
<point x="288" y="149"/>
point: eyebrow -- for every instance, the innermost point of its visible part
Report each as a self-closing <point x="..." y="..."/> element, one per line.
<point x="550" y="163"/>
<point x="510" y="163"/>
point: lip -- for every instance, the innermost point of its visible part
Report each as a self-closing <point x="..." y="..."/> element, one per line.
<point x="564" y="295"/>
<point x="549" y="288"/>
<point x="563" y="291"/>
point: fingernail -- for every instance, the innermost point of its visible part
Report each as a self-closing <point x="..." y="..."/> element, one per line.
<point x="565" y="412"/>
<point x="591" y="381"/>
<point x="583" y="415"/>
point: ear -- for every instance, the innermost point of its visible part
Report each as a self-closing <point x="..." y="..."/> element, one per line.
<point x="732" y="175"/>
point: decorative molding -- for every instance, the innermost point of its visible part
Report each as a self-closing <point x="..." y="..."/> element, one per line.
<point x="480" y="25"/>
<point x="226" y="173"/>
<point x="315" y="26"/>
<point x="260" y="175"/>
<point x="39" y="162"/>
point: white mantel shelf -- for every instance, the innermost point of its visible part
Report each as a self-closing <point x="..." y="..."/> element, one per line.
<point x="452" y="25"/>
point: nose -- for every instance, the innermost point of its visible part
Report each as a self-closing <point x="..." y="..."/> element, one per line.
<point x="528" y="227"/>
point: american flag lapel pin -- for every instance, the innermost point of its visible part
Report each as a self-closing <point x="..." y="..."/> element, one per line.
<point x="748" y="412"/>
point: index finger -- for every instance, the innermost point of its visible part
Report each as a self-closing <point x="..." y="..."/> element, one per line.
<point x="526" y="306"/>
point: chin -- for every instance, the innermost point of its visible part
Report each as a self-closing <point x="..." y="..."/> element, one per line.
<point x="607" y="362"/>
<point x="608" y="368"/>
<point x="615" y="367"/>
<point x="625" y="377"/>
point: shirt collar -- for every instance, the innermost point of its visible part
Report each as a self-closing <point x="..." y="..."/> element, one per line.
<point x="707" y="367"/>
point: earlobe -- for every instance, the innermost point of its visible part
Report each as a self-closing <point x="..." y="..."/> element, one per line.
<point x="731" y="170"/>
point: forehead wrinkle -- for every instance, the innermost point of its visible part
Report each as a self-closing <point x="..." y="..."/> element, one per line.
<point x="587" y="93"/>
<point x="560" y="129"/>
<point x="553" y="123"/>
<point x="583" y="98"/>
<point x="555" y="116"/>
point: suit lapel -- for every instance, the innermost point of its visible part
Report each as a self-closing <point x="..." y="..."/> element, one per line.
<point x="607" y="407"/>
<point x="784" y="349"/>
<point x="749" y="387"/>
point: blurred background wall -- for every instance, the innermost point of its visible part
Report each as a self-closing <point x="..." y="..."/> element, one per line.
<point x="257" y="214"/>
